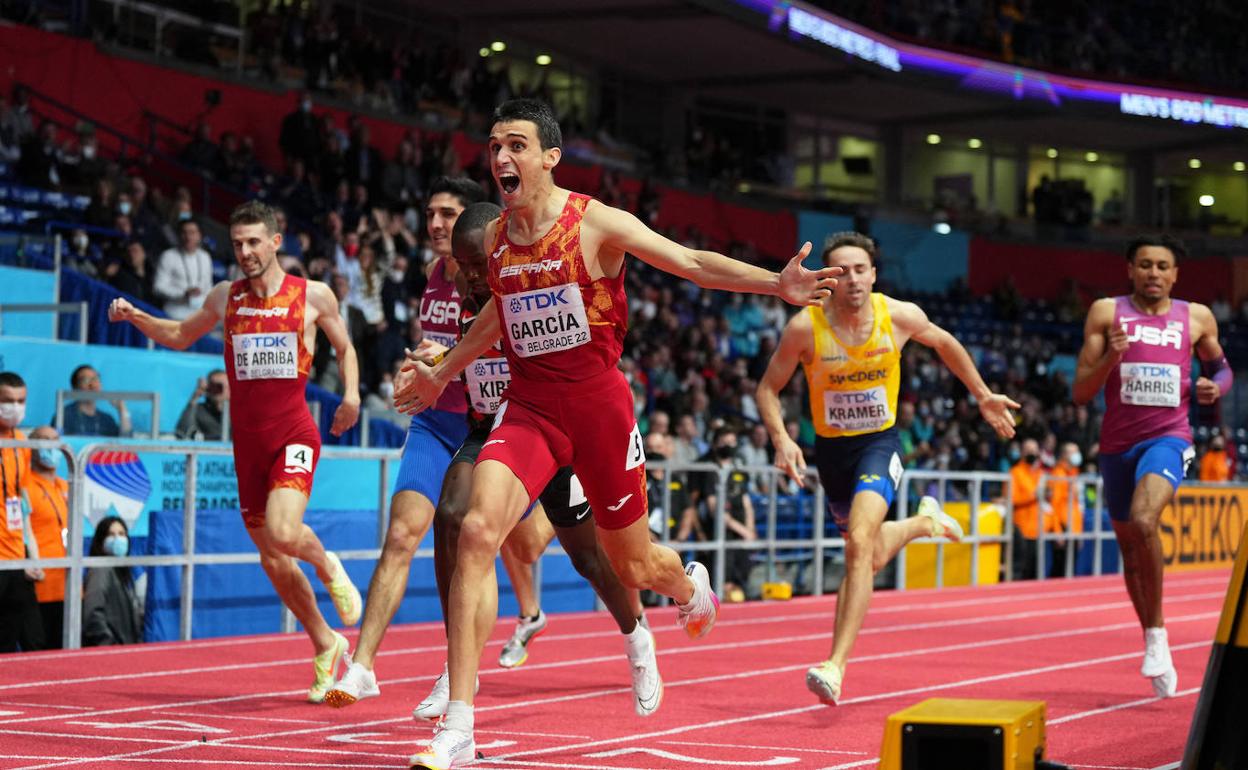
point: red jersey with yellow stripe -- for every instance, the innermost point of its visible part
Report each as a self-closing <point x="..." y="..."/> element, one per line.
<point x="266" y="353"/>
<point x="559" y="325"/>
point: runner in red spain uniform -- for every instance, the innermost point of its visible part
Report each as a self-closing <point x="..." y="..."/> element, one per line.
<point x="556" y="271"/>
<point x="271" y="320"/>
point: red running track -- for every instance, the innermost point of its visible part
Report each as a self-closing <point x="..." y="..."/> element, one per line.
<point x="734" y="698"/>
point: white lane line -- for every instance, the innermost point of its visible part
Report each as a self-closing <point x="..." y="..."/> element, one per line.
<point x="760" y="748"/>
<point x="1025" y="589"/>
<point x="519" y="759"/>
<point x="233" y="717"/>
<point x="1118" y="707"/>
<point x="731" y="646"/>
<point x="871" y="630"/>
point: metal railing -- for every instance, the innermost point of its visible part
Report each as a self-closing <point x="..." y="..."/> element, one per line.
<point x="80" y="308"/>
<point x="108" y="395"/>
<point x="1076" y="487"/>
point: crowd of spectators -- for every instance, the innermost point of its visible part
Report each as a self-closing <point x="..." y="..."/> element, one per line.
<point x="1114" y="38"/>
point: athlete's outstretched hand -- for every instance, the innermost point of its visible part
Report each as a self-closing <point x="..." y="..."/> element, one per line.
<point x="415" y="387"/>
<point x="799" y="286"/>
<point x="120" y="310"/>
<point x="345" y="416"/>
<point x="996" y="412"/>
<point x="791" y="461"/>
<point x="427" y="351"/>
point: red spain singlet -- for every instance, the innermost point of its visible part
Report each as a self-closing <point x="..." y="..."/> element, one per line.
<point x="568" y="403"/>
<point x="559" y="325"/>
<point x="267" y="361"/>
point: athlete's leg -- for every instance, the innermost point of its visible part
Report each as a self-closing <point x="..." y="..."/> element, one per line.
<point x="895" y="535"/>
<point x="1143" y="565"/>
<point x="452" y="507"/>
<point x="583" y="549"/>
<point x="498" y="501"/>
<point x="278" y="558"/>
<point x="866" y="514"/>
<point x="410" y="515"/>
<point x="523" y="547"/>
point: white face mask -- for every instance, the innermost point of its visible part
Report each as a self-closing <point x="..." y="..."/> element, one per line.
<point x="81" y="242"/>
<point x="12" y="414"/>
<point x="1076" y="460"/>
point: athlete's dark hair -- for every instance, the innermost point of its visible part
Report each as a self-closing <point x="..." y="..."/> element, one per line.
<point x="537" y="112"/>
<point x="73" y="378"/>
<point x="471" y="221"/>
<point x="466" y="190"/>
<point x="11" y="380"/>
<point x="849" y="238"/>
<point x="255" y="213"/>
<point x="1164" y="240"/>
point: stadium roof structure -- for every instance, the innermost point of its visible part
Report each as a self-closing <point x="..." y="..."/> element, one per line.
<point x="790" y="55"/>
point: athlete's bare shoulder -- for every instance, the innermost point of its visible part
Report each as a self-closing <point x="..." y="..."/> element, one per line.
<point x="1101" y="313"/>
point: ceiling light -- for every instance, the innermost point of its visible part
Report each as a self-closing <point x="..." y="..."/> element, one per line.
<point x="484" y="52"/>
<point x="1206" y="200"/>
<point x="1051" y="152"/>
<point x="974" y="144"/>
<point x="933" y="138"/>
<point x="1238" y="165"/>
<point x="1194" y="163"/>
<point x="543" y="59"/>
<point x="1092" y="157"/>
<point x="498" y="46"/>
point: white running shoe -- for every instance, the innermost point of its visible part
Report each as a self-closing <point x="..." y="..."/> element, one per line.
<point x="943" y="525"/>
<point x="447" y="749"/>
<point x="647" y="684"/>
<point x="433" y="707"/>
<point x="698" y="616"/>
<point x="326" y="666"/>
<point x="357" y="683"/>
<point x="516" y="650"/>
<point x="346" y="596"/>
<point x="1166" y="685"/>
<point x="824" y="680"/>
<point x="1158" y="666"/>
<point x="1156" y="653"/>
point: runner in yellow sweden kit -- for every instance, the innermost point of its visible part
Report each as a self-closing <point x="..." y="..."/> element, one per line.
<point x="850" y="347"/>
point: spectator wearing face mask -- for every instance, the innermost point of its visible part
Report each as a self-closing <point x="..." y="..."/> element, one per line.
<point x="110" y="608"/>
<point x="202" y="420"/>
<point x="1027" y="509"/>
<point x="738" y="511"/>
<point x="20" y="625"/>
<point x="1217" y="465"/>
<point x="83" y="255"/>
<point x="49" y="519"/>
<point x="1067" y="514"/>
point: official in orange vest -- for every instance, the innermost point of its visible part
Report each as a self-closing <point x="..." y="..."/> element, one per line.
<point x="1216" y="465"/>
<point x="20" y="626"/>
<point x="1067" y="514"/>
<point x="1027" y="509"/>
<point x="49" y="518"/>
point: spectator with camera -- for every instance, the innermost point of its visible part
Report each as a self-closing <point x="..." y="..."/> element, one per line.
<point x="204" y="416"/>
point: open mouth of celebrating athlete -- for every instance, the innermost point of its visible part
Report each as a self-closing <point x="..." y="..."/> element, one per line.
<point x="509" y="182"/>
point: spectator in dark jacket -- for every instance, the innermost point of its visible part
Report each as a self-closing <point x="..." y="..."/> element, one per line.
<point x="110" y="611"/>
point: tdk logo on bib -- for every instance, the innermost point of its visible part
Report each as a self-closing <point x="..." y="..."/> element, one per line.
<point x="542" y="299"/>
<point x="266" y="341"/>
<point x="491" y="368"/>
<point x="1151" y="335"/>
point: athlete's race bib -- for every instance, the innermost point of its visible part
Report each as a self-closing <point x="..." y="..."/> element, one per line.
<point x="545" y="320"/>
<point x="272" y="356"/>
<point x="1150" y="384"/>
<point x="445" y="340"/>
<point x="857" y="411"/>
<point x="487" y="378"/>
